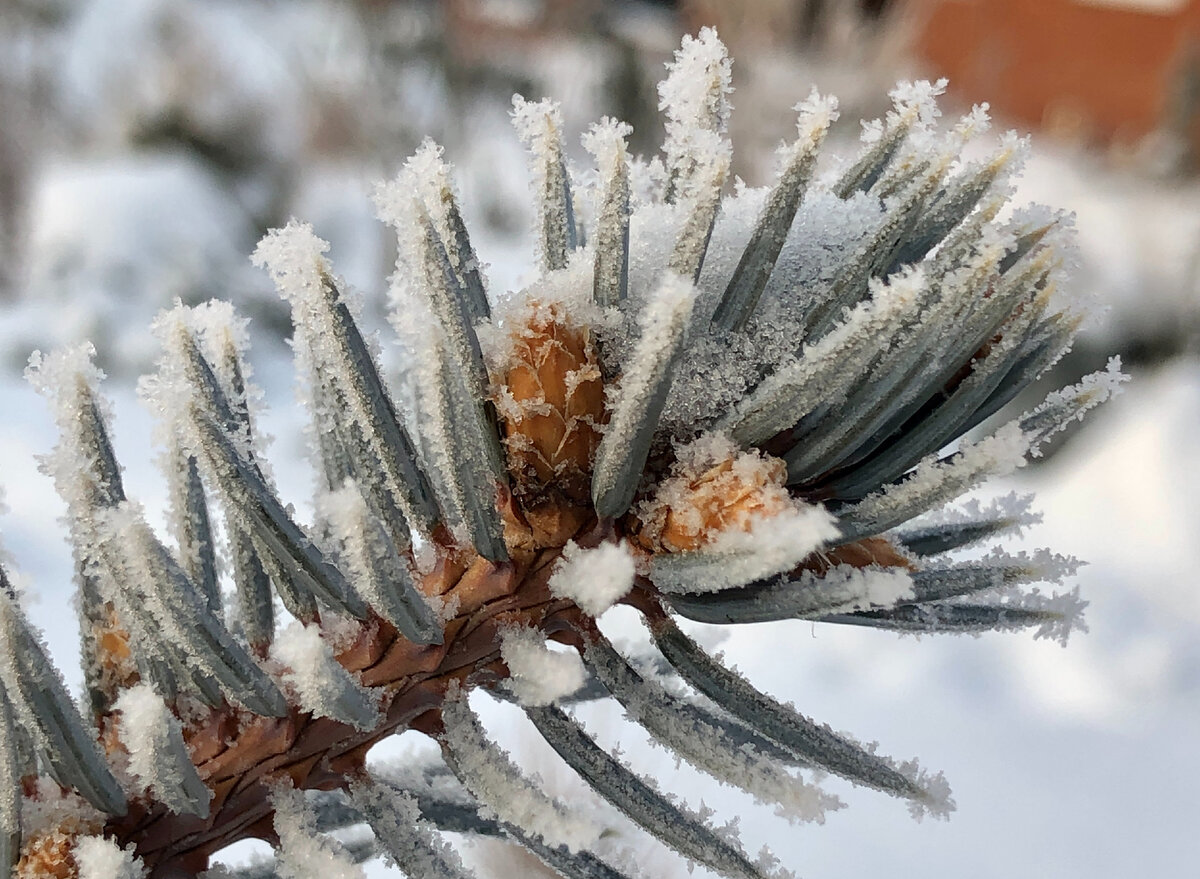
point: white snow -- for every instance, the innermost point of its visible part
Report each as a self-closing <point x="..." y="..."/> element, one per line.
<point x="158" y="757"/>
<point x="595" y="579"/>
<point x="98" y="857"/>
<point x="539" y="675"/>
<point x="860" y="588"/>
<point x="767" y="545"/>
<point x="313" y="674"/>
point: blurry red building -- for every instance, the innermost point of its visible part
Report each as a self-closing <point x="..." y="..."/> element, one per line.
<point x="1103" y="71"/>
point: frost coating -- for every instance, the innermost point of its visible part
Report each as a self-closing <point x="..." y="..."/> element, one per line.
<point x="377" y="569"/>
<point x="610" y="272"/>
<point x="304" y="853"/>
<point x="695" y="98"/>
<point x="935" y="482"/>
<point x="537" y="674"/>
<point x="36" y="690"/>
<point x="539" y="125"/>
<point x="843" y="589"/>
<point x="489" y="774"/>
<point x="100" y="858"/>
<point x="320" y="684"/>
<point x="639" y="398"/>
<point x="706" y="746"/>
<point x="412" y="843"/>
<point x="826" y="369"/>
<point x="158" y="757"/>
<point x="594" y="579"/>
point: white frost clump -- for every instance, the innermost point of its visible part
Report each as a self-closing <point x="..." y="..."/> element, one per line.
<point x="816" y="113"/>
<point x="774" y="544"/>
<point x="158" y="757"/>
<point x="606" y="141"/>
<point x="916" y="102"/>
<point x="538" y="675"/>
<point x="857" y="589"/>
<point x="937" y="802"/>
<point x="304" y="853"/>
<point x="595" y="579"/>
<point x="100" y="858"/>
<point x="314" y="675"/>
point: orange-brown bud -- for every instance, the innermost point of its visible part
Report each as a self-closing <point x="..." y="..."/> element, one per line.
<point x="114" y="657"/>
<point x="691" y="511"/>
<point x="50" y="852"/>
<point x="552" y="403"/>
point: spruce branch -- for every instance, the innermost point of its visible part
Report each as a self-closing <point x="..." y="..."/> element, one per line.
<point x="721" y="407"/>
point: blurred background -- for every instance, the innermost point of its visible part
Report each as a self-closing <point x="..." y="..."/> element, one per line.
<point x="145" y="145"/>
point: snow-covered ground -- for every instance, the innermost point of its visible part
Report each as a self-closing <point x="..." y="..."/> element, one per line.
<point x="1075" y="762"/>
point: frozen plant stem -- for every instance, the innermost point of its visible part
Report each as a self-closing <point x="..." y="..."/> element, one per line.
<point x="729" y="408"/>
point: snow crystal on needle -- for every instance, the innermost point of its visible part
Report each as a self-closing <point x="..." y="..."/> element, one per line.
<point x="312" y="671"/>
<point x="605" y="140"/>
<point x="154" y="739"/>
<point x="538" y="675"/>
<point x="662" y="324"/>
<point x="100" y="858"/>
<point x="706" y="745"/>
<point x="816" y="113"/>
<point x="1013" y="509"/>
<point x="976" y="121"/>
<point x="304" y="853"/>
<point x="594" y="579"/>
<point x="916" y="101"/>
<point x="489" y="774"/>
<point x="67" y="378"/>
<point x="426" y="175"/>
<point x="422" y="188"/>
<point x="1079" y="399"/>
<point x="412" y="843"/>
<point x="223" y="338"/>
<point x="537" y="124"/>
<point x="934" y="482"/>
<point x="294" y="258"/>
<point x="50" y="374"/>
<point x="698" y="83"/>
